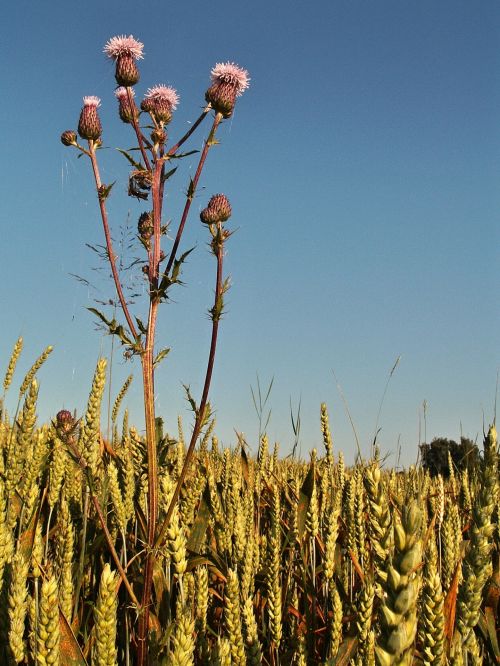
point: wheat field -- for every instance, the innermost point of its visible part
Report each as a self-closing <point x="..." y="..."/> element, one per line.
<point x="266" y="560"/>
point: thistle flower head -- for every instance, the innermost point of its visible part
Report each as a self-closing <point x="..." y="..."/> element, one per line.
<point x="232" y="75"/>
<point x="123" y="45"/>
<point x="228" y="82"/>
<point x="160" y="101"/>
<point x="121" y="93"/>
<point x="64" y="417"/>
<point x="68" y="138"/>
<point x="89" y="125"/>
<point x="125" y="51"/>
<point x="126" y="110"/>
<point x="164" y="94"/>
<point x="217" y="211"/>
<point x="65" y="422"/>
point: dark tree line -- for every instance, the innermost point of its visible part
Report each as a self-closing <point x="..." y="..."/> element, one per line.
<point x="434" y="456"/>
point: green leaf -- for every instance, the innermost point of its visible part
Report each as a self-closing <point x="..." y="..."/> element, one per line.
<point x="190" y="398"/>
<point x="158" y="429"/>
<point x="113" y="327"/>
<point x="178" y="264"/>
<point x="200" y="524"/>
<point x="160" y="356"/>
<point x="140" y="326"/>
<point x="487" y="625"/>
<point x="131" y="160"/>
<point x="179" y="156"/>
<point x="168" y="280"/>
<point x="191" y="189"/>
<point x="305" y="500"/>
<point x="104" y="190"/>
<point x="168" y="174"/>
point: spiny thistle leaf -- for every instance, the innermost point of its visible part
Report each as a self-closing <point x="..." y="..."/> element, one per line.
<point x="160" y="356"/>
<point x="131" y="160"/>
<point x="168" y="174"/>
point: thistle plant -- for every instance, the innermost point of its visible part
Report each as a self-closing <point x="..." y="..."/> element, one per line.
<point x="147" y="179"/>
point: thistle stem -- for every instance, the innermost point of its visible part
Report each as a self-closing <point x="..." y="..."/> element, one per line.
<point x="89" y="492"/>
<point x="109" y="243"/>
<point x="149" y="412"/>
<point x="137" y="129"/>
<point x="192" y="189"/>
<point x="203" y="403"/>
<point x="186" y="136"/>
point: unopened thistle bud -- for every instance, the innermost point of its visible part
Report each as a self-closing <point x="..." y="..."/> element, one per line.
<point x="228" y="82"/>
<point x="160" y="101"/>
<point x="68" y="138"/>
<point x="158" y="136"/>
<point x="145" y="226"/>
<point x="89" y="126"/>
<point x="125" y="51"/>
<point x="64" y="422"/>
<point x="218" y="210"/>
<point x="127" y="112"/>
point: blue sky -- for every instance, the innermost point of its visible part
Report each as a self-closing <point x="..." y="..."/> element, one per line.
<point x="363" y="167"/>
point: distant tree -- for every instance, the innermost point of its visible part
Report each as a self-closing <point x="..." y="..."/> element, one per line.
<point x="435" y="455"/>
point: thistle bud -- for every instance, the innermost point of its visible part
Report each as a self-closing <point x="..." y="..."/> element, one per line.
<point x="228" y="82"/>
<point x="158" y="136"/>
<point x="127" y="72"/>
<point x="217" y="211"/>
<point x="89" y="126"/>
<point x="65" y="422"/>
<point x="145" y="226"/>
<point x="127" y="112"/>
<point x="68" y="138"/>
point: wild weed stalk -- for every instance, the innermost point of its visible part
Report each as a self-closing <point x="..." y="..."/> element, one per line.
<point x="151" y="168"/>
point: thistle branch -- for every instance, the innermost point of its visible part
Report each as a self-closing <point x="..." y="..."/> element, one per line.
<point x="109" y="243"/>
<point x="137" y="129"/>
<point x="219" y="290"/>
<point x="192" y="189"/>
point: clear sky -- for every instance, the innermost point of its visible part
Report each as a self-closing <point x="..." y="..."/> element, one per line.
<point x="363" y="167"/>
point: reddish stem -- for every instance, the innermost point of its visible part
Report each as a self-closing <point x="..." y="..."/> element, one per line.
<point x="109" y="243"/>
<point x="84" y="467"/>
<point x="137" y="129"/>
<point x="204" y="398"/>
<point x="203" y="157"/>
<point x="147" y="360"/>
<point x="186" y="136"/>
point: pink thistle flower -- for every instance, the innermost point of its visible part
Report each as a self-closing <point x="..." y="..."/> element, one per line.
<point x="160" y="101"/>
<point x="165" y="94"/>
<point x="122" y="45"/>
<point x="121" y="93"/>
<point x="89" y="125"/>
<point x="91" y="100"/>
<point x="125" y="51"/>
<point x="228" y="82"/>
<point x="230" y="73"/>
<point x="126" y="111"/>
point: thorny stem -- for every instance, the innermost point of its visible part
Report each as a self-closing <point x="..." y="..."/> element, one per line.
<point x="209" y="142"/>
<point x="149" y="411"/>
<point x="109" y="243"/>
<point x="201" y="410"/>
<point x="137" y="129"/>
<point x="186" y="136"/>
<point x="148" y="375"/>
